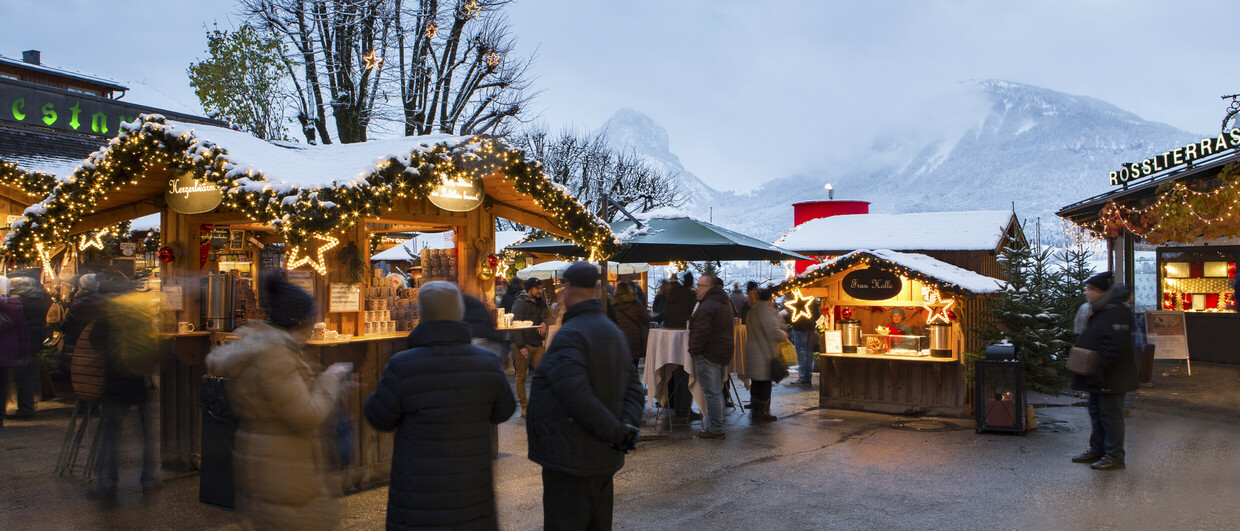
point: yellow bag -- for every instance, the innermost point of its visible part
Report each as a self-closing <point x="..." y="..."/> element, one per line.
<point x="789" y="352"/>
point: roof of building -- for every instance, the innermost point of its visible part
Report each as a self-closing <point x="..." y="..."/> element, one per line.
<point x="978" y="230"/>
<point x="46" y="150"/>
<point x="920" y="267"/>
<point x="106" y="83"/>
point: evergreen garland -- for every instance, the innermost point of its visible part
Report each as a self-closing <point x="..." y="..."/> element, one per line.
<point x="298" y="213"/>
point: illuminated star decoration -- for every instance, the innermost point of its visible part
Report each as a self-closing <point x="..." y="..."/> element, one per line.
<point x="319" y="265"/>
<point x="45" y="257"/>
<point x="372" y="61"/>
<point x="800" y="306"/>
<point x="87" y="243"/>
<point x="470" y="8"/>
<point x="932" y="298"/>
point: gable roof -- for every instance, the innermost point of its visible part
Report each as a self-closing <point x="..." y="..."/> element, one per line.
<point x="299" y="190"/>
<point x="978" y="230"/>
<point x="931" y="271"/>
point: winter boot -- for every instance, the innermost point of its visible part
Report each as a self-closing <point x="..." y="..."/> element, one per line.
<point x="760" y="411"/>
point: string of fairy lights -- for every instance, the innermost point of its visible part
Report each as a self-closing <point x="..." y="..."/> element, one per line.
<point x="812" y="276"/>
<point x="1179" y="214"/>
<point x="301" y="215"/>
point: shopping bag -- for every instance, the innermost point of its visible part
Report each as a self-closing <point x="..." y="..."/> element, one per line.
<point x="788" y="352"/>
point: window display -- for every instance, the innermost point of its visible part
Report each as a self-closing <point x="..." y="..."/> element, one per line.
<point x="1197" y="279"/>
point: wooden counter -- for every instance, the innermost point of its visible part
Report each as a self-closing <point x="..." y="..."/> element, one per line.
<point x="902" y="385"/>
<point x="181" y="399"/>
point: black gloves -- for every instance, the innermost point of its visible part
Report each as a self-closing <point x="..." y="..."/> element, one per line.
<point x="631" y="436"/>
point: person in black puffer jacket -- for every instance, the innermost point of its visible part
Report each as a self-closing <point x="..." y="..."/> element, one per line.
<point x="442" y="397"/>
<point x="1110" y="334"/>
<point x="585" y="402"/>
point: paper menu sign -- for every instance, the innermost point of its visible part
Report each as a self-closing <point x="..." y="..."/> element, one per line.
<point x="345" y="298"/>
<point x="833" y="341"/>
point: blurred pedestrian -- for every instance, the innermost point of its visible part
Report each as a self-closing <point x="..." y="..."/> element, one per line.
<point x="510" y="295"/>
<point x="711" y="346"/>
<point x="82" y="311"/>
<point x="585" y="404"/>
<point x="527" y="344"/>
<point x="35" y="303"/>
<point x="660" y="300"/>
<point x="738" y="300"/>
<point x="631" y="316"/>
<point x="761" y="348"/>
<point x="279" y="459"/>
<point x="482" y="330"/>
<point x="15" y="336"/>
<point x="124" y="331"/>
<point x="1109" y="333"/>
<point x="803" y="340"/>
<point x="442" y="396"/>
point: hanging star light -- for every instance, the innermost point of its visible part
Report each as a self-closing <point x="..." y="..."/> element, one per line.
<point x="470" y="8"/>
<point x="937" y="307"/>
<point x="372" y="61"/>
<point x="97" y="242"/>
<point x="319" y="265"/>
<point x="800" y="306"/>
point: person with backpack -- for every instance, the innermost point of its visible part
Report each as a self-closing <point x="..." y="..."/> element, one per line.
<point x="124" y="330"/>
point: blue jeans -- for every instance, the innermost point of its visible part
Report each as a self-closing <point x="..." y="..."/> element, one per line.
<point x="805" y="358"/>
<point x="1106" y="417"/>
<point x="110" y="423"/>
<point x="710" y="376"/>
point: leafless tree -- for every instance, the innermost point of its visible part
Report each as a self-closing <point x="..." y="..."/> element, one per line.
<point x="589" y="165"/>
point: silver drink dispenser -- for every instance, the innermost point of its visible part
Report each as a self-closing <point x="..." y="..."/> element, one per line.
<point x="850" y="335"/>
<point x="219" y="298"/>
<point x="940" y="340"/>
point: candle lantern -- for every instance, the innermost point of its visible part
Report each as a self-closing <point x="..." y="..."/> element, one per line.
<point x="1000" y="387"/>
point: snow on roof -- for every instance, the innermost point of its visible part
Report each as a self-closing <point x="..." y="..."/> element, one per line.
<point x="923" y="231"/>
<point x="932" y="268"/>
<point x="306" y="166"/>
<point x="55" y="166"/>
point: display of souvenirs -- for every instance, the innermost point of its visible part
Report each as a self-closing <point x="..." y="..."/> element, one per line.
<point x="1198" y="286"/>
<point x="438" y="264"/>
<point x="390" y="307"/>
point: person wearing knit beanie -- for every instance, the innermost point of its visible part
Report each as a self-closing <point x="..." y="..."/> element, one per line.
<point x="440" y="301"/>
<point x="288" y="306"/>
<point x="1102" y="281"/>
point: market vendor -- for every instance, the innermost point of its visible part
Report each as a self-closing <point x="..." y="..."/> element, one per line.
<point x="901" y="326"/>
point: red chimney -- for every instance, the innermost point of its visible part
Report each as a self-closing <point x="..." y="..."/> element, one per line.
<point x="809" y="210"/>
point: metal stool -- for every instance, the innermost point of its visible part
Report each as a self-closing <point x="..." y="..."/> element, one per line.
<point x="67" y="463"/>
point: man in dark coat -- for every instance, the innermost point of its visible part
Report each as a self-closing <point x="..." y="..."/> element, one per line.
<point x="1110" y="334"/>
<point x="585" y="402"/>
<point x="442" y="397"/>
<point x="711" y="346"/>
<point x="527" y="345"/>
<point x="679" y="306"/>
<point x="510" y="296"/>
<point x="35" y="303"/>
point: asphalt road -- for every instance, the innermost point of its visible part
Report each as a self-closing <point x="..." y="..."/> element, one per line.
<point x="813" y="469"/>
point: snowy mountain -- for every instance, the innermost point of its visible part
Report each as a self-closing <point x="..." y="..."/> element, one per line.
<point x="1012" y="142"/>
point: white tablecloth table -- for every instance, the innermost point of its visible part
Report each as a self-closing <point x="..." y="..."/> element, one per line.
<point x="665" y="349"/>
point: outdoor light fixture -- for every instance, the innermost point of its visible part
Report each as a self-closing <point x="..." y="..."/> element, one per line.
<point x="830" y="191"/>
<point x="1000" y="384"/>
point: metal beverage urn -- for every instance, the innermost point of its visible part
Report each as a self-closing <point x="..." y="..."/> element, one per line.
<point x="218" y="300"/>
<point x="940" y="340"/>
<point x="850" y="335"/>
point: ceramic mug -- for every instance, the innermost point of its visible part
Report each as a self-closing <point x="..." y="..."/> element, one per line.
<point x="370" y="327"/>
<point x="185" y="327"/>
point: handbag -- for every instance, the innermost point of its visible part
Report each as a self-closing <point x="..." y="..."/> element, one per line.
<point x="779" y="369"/>
<point x="1083" y="361"/>
<point x="788" y="352"/>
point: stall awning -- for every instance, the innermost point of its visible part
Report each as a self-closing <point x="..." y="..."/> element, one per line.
<point x="930" y="271"/>
<point x="1141" y="193"/>
<point x="298" y="189"/>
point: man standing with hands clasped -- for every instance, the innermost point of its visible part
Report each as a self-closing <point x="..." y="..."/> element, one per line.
<point x="711" y="344"/>
<point x="585" y="403"/>
<point x="527" y="345"/>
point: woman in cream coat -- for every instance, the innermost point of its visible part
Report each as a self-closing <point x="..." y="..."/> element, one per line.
<point x="762" y="345"/>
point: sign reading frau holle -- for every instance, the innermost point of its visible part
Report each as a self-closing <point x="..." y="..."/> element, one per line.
<point x="189" y="195"/>
<point x="1181" y="155"/>
<point x="457" y="194"/>
<point x="872" y="284"/>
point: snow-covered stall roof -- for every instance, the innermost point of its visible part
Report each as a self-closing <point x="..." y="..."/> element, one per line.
<point x="978" y="230"/>
<point x="299" y="190"/>
<point x="916" y="266"/>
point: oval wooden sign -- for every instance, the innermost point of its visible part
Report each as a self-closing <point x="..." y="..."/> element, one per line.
<point x="188" y="195"/>
<point x="872" y="284"/>
<point x="458" y="194"/>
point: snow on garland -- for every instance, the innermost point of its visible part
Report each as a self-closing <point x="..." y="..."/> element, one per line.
<point x="946" y="277"/>
<point x="299" y="213"/>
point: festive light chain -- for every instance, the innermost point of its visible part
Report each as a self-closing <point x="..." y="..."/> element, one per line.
<point x="30" y="183"/>
<point x="937" y="307"/>
<point x="809" y="277"/>
<point x="299" y="214"/>
<point x="1163" y="220"/>
<point x="319" y="265"/>
<point x="800" y="306"/>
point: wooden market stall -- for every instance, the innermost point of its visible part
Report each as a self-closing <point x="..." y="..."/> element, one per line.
<point x="871" y="361"/>
<point x="234" y="207"/>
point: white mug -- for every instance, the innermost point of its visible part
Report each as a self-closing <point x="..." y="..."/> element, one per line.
<point x="184" y="327"/>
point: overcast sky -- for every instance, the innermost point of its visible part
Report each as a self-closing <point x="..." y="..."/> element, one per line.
<point x="748" y="90"/>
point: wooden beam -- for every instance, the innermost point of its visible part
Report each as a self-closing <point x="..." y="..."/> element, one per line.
<point x="439" y="220"/>
<point x="528" y="218"/>
<point x="17" y="196"/>
<point x="115" y="215"/>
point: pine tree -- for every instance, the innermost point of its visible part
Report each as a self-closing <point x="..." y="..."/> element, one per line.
<point x="1027" y="315"/>
<point x="1076" y="270"/>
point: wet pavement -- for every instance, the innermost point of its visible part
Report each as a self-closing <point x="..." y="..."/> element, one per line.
<point x="813" y="469"/>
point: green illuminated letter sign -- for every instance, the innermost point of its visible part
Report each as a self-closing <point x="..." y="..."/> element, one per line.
<point x="73" y="121"/>
<point x="18" y="105"/>
<point x="99" y="123"/>
<point x="49" y="114"/>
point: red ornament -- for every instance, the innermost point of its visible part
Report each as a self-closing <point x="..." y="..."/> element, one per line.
<point x="951" y="315"/>
<point x="1231" y="270"/>
<point x="492" y="261"/>
<point x="847" y="313"/>
<point x="166" y="255"/>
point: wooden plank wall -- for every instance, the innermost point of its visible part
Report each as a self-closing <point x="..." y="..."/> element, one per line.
<point x="892" y="386"/>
